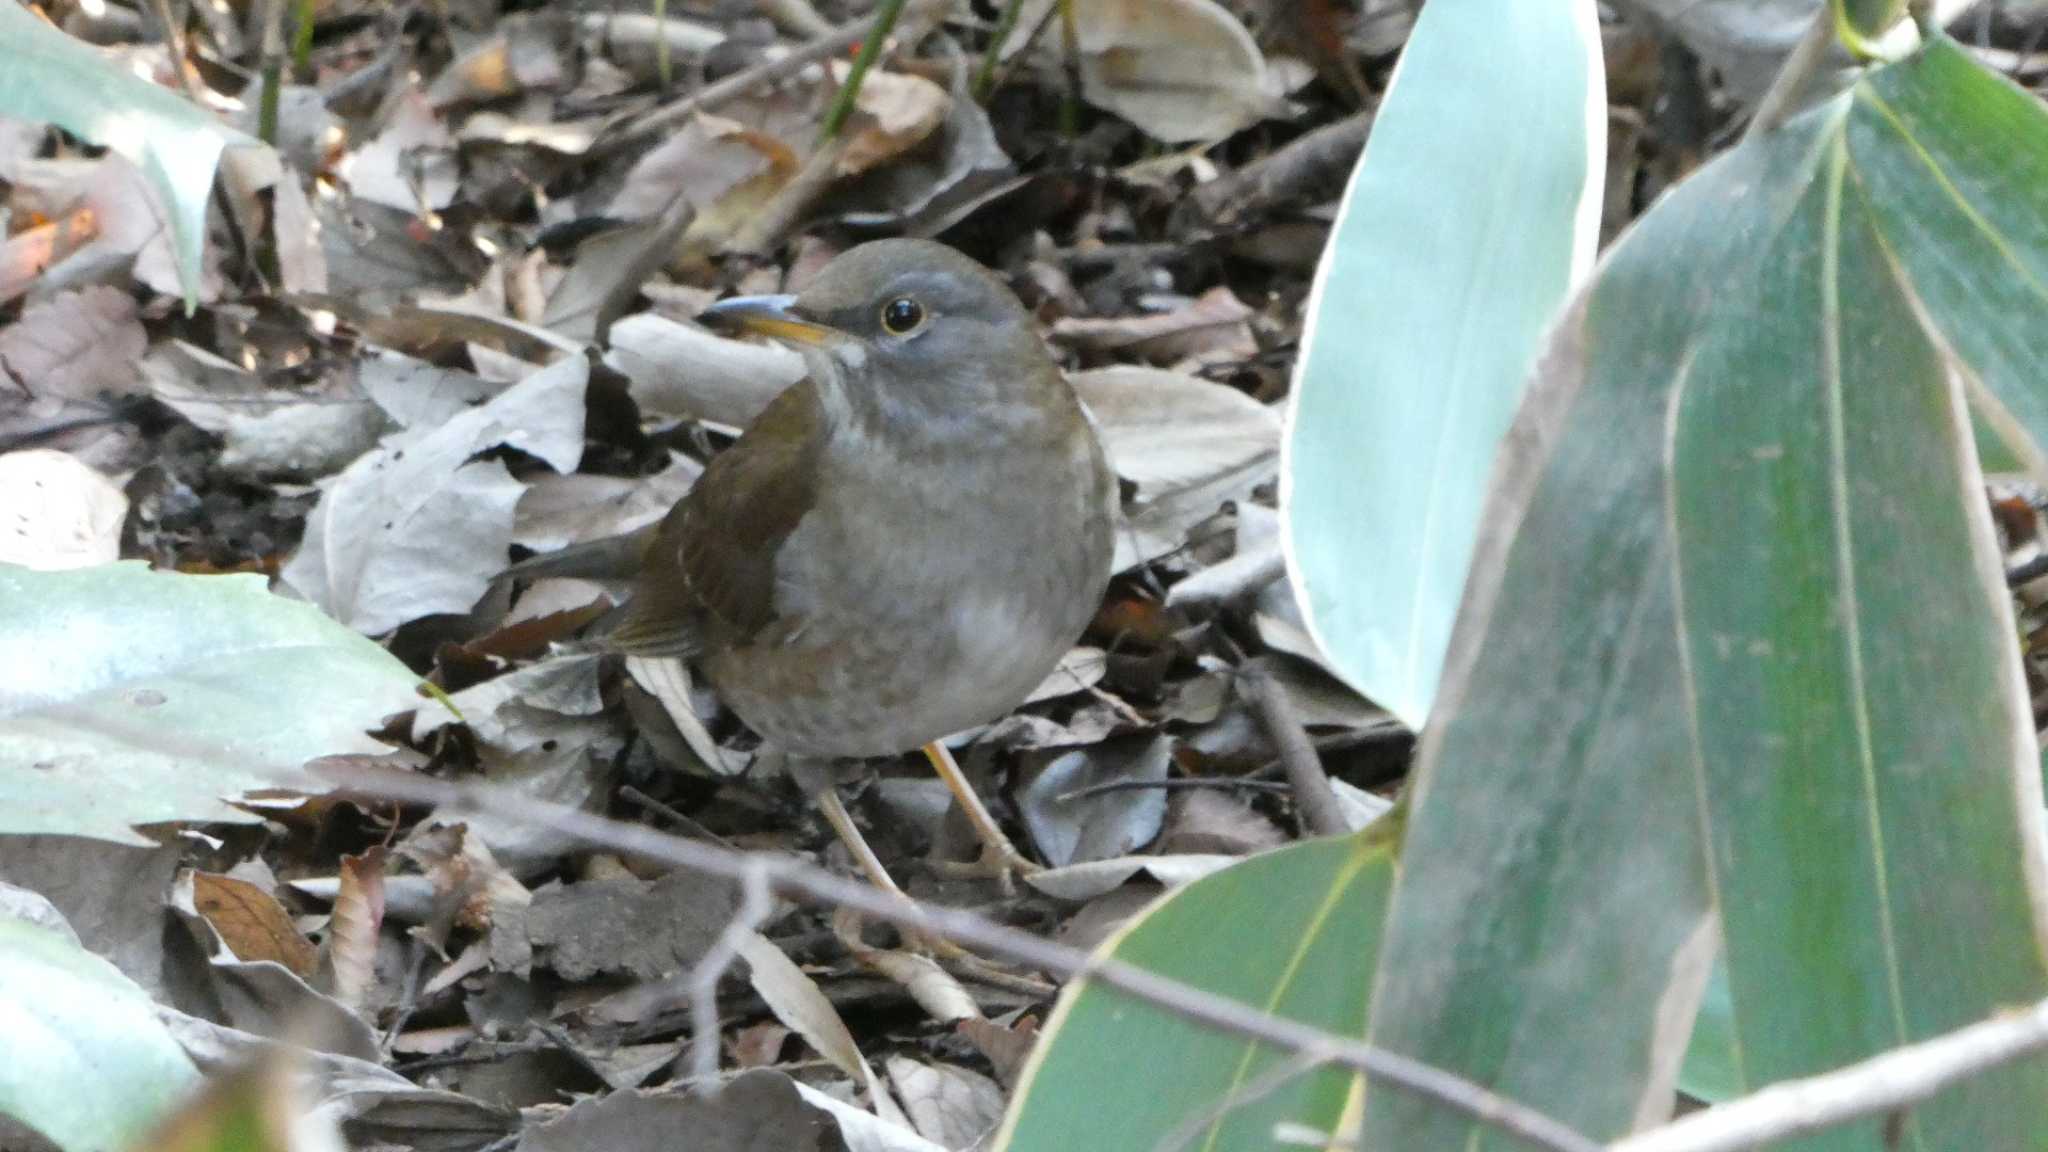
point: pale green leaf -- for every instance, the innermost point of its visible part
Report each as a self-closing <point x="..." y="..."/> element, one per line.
<point x="51" y="78"/>
<point x="87" y="1064"/>
<point x="1472" y="214"/>
<point x="153" y="696"/>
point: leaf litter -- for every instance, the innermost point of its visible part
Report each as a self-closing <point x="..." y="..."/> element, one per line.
<point x="446" y="323"/>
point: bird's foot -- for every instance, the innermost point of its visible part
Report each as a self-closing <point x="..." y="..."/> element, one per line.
<point x="998" y="861"/>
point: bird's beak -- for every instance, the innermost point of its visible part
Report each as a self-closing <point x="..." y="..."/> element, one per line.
<point x="775" y="317"/>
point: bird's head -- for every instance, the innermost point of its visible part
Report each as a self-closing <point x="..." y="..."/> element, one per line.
<point x="911" y="321"/>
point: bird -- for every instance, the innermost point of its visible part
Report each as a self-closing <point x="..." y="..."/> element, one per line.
<point x="903" y="544"/>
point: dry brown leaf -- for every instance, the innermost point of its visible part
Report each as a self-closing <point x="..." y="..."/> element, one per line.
<point x="950" y="1106"/>
<point x="348" y="957"/>
<point x="28" y="252"/>
<point x="251" y="922"/>
<point x="799" y="1003"/>
<point x="1182" y="70"/>
<point x="893" y="113"/>
<point x="1211" y="328"/>
<point x="526" y="53"/>
<point x="703" y="160"/>
<point x="76" y="346"/>
<point x="131" y="220"/>
<point x="759" y="1045"/>
<point x="1005" y="1046"/>
<point x="471" y="891"/>
<point x="411" y="164"/>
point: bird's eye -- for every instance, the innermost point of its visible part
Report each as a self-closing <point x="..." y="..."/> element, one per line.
<point x="902" y="315"/>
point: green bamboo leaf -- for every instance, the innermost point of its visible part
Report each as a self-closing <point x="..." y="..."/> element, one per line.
<point x="156" y="697"/>
<point x="1950" y="160"/>
<point x="1740" y="651"/>
<point x="1294" y="931"/>
<point x="51" y="78"/>
<point x="1468" y="221"/>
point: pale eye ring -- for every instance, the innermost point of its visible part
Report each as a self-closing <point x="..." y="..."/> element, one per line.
<point x="902" y="315"/>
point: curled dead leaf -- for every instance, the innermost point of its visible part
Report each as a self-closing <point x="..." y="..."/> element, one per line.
<point x="893" y="113"/>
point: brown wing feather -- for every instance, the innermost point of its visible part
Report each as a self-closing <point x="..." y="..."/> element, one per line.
<point x="709" y="573"/>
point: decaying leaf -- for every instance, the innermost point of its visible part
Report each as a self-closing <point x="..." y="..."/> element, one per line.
<point x="56" y="512"/>
<point x="893" y="113"/>
<point x="251" y="922"/>
<point x="80" y="345"/>
<point x="348" y="957"/>
<point x="1179" y="69"/>
<point x="419" y="526"/>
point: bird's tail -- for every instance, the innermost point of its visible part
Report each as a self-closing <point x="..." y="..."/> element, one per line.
<point x="608" y="558"/>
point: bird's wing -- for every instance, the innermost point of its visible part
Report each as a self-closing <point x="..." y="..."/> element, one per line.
<point x="709" y="575"/>
<point x="606" y="558"/>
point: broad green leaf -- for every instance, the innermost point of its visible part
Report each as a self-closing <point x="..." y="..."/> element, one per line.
<point x="52" y="78"/>
<point x="1469" y="220"/>
<point x="137" y="697"/>
<point x="1293" y="931"/>
<point x="87" y="1063"/>
<point x="1949" y="160"/>
<point x="1873" y="815"/>
<point x="1739" y="647"/>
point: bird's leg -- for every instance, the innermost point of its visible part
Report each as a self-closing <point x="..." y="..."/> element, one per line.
<point x="999" y="858"/>
<point x="826" y="794"/>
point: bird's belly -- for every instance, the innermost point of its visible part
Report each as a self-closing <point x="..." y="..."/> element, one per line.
<point x="856" y="686"/>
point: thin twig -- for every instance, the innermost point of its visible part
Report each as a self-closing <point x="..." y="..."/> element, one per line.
<point x="791" y="203"/>
<point x="1268" y="1082"/>
<point x="756" y="903"/>
<point x="272" y="54"/>
<point x="1389" y="731"/>
<point x="1782" y="98"/>
<point x="174" y="39"/>
<point x="1070" y="63"/>
<point x="870" y="51"/>
<point x="1322" y="814"/>
<point x="691" y="827"/>
<point x="1178" y="783"/>
<point x="985" y="76"/>
<point x="1311" y="166"/>
<point x="660" y="121"/>
<point x="302" y="40"/>
<point x="792" y="878"/>
<point x="1030" y="43"/>
<point x="663" y="71"/>
<point x="1882" y="1084"/>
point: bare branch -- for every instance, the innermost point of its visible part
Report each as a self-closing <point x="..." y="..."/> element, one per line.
<point x="1268" y="1082"/>
<point x="756" y="903"/>
<point x="650" y="126"/>
<point x="801" y="881"/>
<point x="1884" y="1083"/>
<point x="1322" y="814"/>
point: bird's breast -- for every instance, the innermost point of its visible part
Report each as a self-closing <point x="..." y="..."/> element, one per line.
<point x="924" y="597"/>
